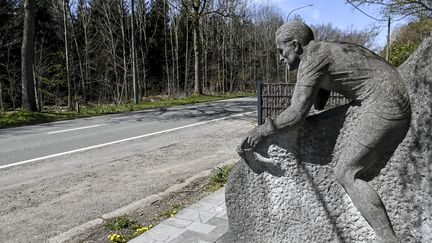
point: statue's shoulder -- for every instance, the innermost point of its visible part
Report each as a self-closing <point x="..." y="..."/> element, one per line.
<point x="319" y="50"/>
<point x="317" y="55"/>
<point x="337" y="52"/>
<point x="329" y="46"/>
<point x="315" y="47"/>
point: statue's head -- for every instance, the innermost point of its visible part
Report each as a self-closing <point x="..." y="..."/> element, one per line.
<point x="290" y="40"/>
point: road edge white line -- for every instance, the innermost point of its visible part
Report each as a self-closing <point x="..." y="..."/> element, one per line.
<point x="119" y="141"/>
<point x="75" y="129"/>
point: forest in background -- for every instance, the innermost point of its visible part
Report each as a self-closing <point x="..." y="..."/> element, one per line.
<point x="100" y="51"/>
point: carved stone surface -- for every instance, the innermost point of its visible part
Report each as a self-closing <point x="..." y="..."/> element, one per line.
<point x="298" y="199"/>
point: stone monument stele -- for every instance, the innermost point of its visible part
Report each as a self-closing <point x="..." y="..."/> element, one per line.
<point x="356" y="173"/>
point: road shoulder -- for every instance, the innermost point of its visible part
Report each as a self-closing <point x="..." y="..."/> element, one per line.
<point x="144" y="210"/>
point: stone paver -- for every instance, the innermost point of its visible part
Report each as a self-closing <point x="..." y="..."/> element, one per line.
<point x="179" y="223"/>
<point x="195" y="215"/>
<point x="202" y="222"/>
<point x="201" y="228"/>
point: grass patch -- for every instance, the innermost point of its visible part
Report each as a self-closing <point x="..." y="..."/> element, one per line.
<point x="121" y="223"/>
<point x="21" y="117"/>
<point x="122" y="229"/>
<point x="218" y="178"/>
<point x="175" y="208"/>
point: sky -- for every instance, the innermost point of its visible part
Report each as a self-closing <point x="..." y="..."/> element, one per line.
<point x="336" y="12"/>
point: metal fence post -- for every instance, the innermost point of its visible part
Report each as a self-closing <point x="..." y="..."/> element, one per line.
<point x="259" y="103"/>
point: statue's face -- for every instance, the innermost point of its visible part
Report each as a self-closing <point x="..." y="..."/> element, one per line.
<point x="288" y="51"/>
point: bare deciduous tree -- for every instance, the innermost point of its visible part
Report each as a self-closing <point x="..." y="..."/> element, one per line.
<point x="27" y="57"/>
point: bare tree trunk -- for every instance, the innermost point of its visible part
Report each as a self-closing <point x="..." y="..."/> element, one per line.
<point x="27" y="56"/>
<point x="219" y="79"/>
<point x="177" y="56"/>
<point x="65" y="19"/>
<point x="205" y="73"/>
<point x="113" y="52"/>
<point x="166" y="53"/>
<point x="206" y="82"/>
<point x="186" y="59"/>
<point x="223" y="63"/>
<point x="243" y="65"/>
<point x="134" y="75"/>
<point x="144" y="88"/>
<point x="143" y="63"/>
<point x="231" y="56"/>
<point x="142" y="45"/>
<point x="204" y="40"/>
<point x="80" y="64"/>
<point x="35" y="83"/>
<point x="86" y="54"/>
<point x="173" y="75"/>
<point x="124" y="89"/>
<point x="197" y="83"/>
<point x="39" y="95"/>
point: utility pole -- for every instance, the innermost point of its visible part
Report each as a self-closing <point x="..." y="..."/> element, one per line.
<point x="388" y="38"/>
<point x="134" y="79"/>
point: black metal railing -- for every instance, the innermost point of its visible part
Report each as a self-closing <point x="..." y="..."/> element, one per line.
<point x="273" y="98"/>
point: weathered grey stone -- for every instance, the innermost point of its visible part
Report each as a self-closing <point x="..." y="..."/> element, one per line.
<point x="296" y="197"/>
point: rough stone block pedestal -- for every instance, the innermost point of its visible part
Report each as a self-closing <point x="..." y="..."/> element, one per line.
<point x="300" y="200"/>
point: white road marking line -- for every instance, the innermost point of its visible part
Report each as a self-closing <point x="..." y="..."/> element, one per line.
<point x="119" y="141"/>
<point x="74" y="129"/>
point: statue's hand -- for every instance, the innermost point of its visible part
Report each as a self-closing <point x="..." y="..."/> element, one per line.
<point x="257" y="135"/>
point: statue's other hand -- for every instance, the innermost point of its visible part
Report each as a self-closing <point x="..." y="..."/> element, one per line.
<point x="257" y="134"/>
<point x="254" y="137"/>
<point x="245" y="145"/>
<point x="249" y="142"/>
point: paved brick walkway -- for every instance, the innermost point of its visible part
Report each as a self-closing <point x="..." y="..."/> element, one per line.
<point x="202" y="222"/>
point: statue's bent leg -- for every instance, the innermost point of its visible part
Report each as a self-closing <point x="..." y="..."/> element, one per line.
<point x="377" y="133"/>
<point x="356" y="158"/>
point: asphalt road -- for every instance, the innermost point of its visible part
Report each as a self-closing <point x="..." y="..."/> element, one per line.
<point x="34" y="143"/>
<point x="57" y="176"/>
